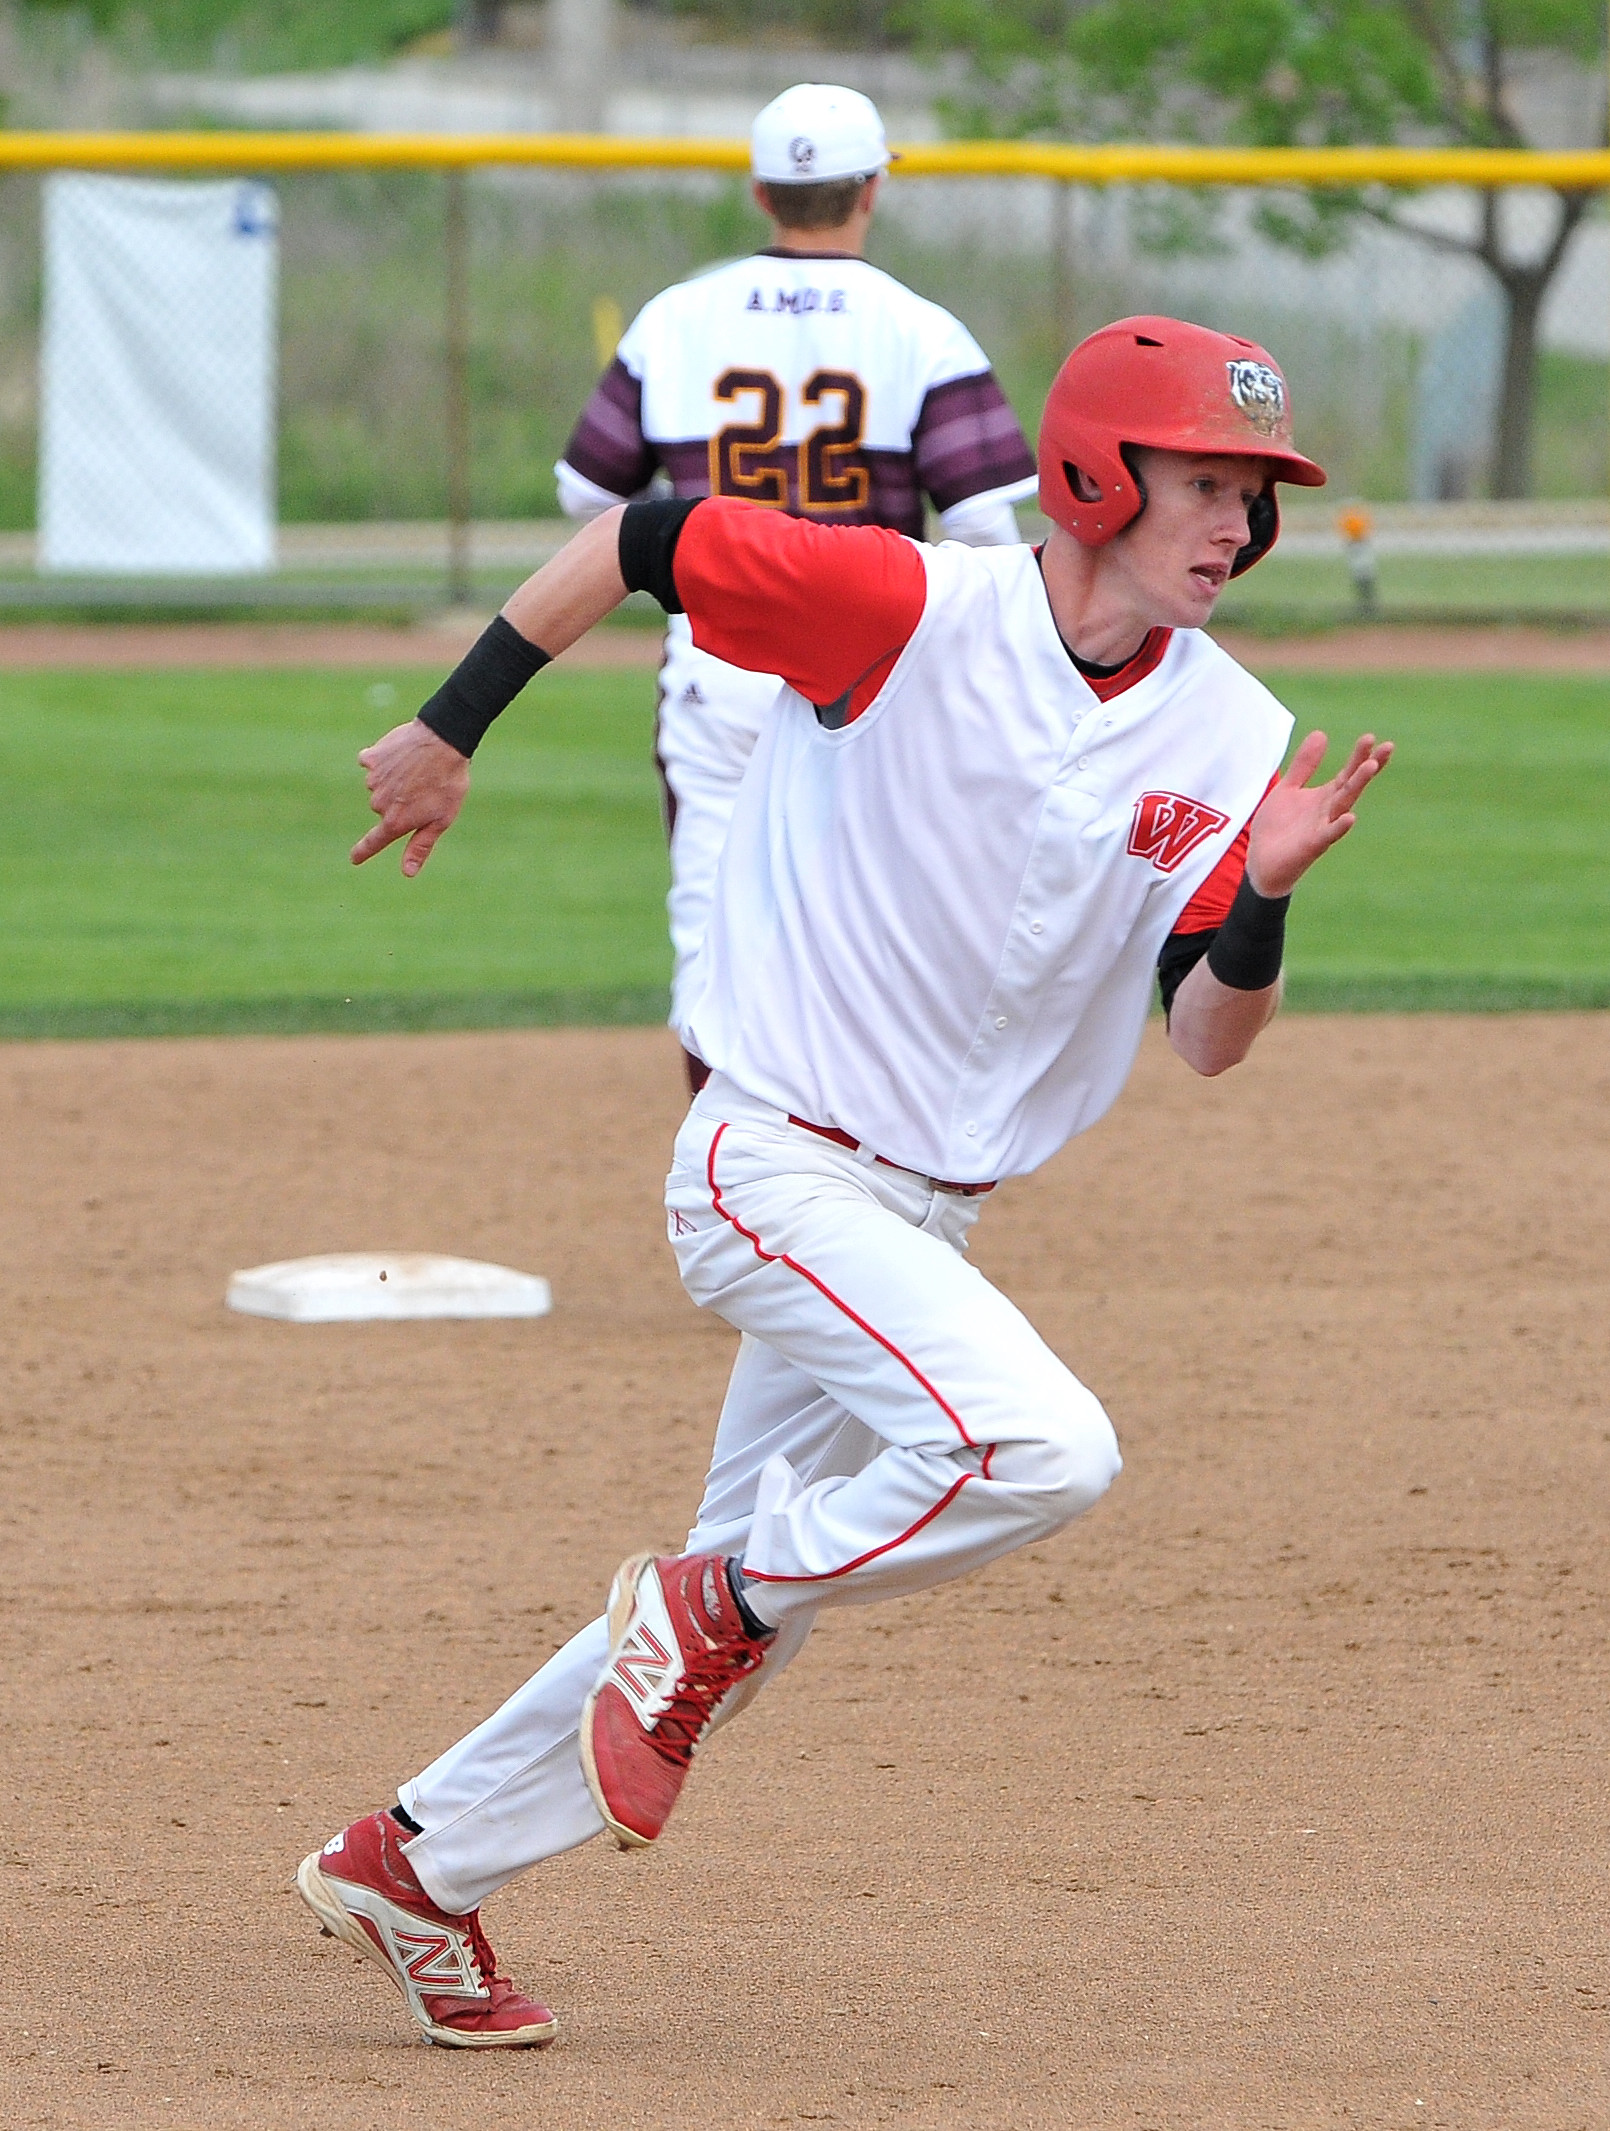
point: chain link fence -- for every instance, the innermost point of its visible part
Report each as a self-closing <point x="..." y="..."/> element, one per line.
<point x="439" y="332"/>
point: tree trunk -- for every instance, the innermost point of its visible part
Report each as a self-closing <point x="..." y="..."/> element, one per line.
<point x="479" y="21"/>
<point x="1524" y="288"/>
<point x="1517" y="398"/>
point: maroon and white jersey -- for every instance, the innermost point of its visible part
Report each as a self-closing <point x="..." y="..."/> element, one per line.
<point x="815" y="384"/>
<point x="952" y="863"/>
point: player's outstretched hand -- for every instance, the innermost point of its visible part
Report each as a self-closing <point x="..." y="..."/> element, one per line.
<point x="417" y="783"/>
<point x="1298" y="822"/>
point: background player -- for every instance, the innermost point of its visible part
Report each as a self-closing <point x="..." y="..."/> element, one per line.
<point x="982" y="809"/>
<point x="804" y="379"/>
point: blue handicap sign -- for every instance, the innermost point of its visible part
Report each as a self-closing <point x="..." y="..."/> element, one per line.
<point x="256" y="211"/>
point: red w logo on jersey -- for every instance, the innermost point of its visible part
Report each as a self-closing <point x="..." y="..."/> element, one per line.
<point x="1168" y="827"/>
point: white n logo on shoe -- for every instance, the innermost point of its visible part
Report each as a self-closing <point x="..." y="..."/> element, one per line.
<point x="642" y="1653"/>
<point x="437" y="1961"/>
<point x="422" y="1956"/>
<point x="648" y="1663"/>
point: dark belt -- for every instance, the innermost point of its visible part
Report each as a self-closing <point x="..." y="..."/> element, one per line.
<point x="843" y="1139"/>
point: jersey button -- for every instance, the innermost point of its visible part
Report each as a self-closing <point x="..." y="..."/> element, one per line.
<point x="1084" y="762"/>
<point x="972" y="1132"/>
<point x="1000" y="1021"/>
<point x="1036" y="926"/>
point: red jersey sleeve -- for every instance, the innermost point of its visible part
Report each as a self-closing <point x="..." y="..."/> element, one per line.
<point x="1210" y="906"/>
<point x="830" y="608"/>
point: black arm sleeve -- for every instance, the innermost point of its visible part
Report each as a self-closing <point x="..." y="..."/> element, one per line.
<point x="1250" y="945"/>
<point x="482" y="685"/>
<point x="648" y="538"/>
<point x="1181" y="953"/>
<point x="1245" y="952"/>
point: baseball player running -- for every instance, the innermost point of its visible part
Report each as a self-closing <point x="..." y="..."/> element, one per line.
<point x="1001" y="794"/>
<point x="808" y="381"/>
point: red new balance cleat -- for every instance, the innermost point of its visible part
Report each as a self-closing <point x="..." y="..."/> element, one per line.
<point x="362" y="1889"/>
<point x="677" y="1646"/>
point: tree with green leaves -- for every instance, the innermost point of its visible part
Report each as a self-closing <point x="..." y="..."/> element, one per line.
<point x="1275" y="73"/>
<point x="253" y="34"/>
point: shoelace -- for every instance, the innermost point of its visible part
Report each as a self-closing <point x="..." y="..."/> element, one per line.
<point x="706" y="1678"/>
<point x="481" y="1947"/>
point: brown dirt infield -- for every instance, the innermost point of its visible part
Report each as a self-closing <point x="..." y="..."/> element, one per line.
<point x="1269" y="1795"/>
<point x="1380" y="649"/>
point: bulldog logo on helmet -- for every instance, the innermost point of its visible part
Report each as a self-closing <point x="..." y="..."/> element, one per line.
<point x="1260" y="393"/>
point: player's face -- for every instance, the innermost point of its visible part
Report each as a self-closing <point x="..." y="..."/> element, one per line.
<point x="1179" y="551"/>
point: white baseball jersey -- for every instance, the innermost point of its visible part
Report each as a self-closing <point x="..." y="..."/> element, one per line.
<point x="943" y="894"/>
<point x="814" y="384"/>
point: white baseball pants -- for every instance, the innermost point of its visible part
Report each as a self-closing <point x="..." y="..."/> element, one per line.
<point x="709" y="720"/>
<point x="892" y="1421"/>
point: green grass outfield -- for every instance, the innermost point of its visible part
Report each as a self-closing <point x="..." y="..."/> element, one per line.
<point x="1297" y="591"/>
<point x="176" y="856"/>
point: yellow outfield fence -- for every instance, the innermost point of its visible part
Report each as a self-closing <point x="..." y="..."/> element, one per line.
<point x="445" y="302"/>
<point x="1105" y="164"/>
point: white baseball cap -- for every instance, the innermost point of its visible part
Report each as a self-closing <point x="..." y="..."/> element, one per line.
<point x="815" y="132"/>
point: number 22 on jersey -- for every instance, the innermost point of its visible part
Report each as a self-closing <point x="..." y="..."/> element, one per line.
<point x="749" y="458"/>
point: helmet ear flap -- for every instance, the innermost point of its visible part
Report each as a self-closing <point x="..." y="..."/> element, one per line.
<point x="1263" y="525"/>
<point x="1084" y="484"/>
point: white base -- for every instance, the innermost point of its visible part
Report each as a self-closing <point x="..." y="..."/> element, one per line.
<point x="349" y="1285"/>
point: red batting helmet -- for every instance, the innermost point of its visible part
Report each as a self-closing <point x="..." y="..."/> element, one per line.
<point x="1176" y="387"/>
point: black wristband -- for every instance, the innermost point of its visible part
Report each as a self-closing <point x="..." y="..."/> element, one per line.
<point x="482" y="685"/>
<point x="1250" y="945"/>
<point x="648" y="537"/>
